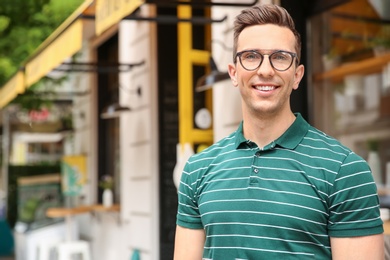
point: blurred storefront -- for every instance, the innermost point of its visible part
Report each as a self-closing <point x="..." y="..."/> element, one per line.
<point x="351" y="88"/>
<point x="138" y="109"/>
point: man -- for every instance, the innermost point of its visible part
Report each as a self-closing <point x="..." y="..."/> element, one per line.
<point x="277" y="188"/>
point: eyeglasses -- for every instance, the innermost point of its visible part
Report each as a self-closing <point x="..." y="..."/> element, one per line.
<point x="279" y="60"/>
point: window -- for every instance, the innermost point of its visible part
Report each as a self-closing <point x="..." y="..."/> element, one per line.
<point x="351" y="88"/>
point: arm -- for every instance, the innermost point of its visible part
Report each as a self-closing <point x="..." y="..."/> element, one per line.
<point x="364" y="247"/>
<point x="188" y="243"/>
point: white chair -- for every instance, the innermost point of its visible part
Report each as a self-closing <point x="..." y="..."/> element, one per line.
<point x="47" y="249"/>
<point x="72" y="245"/>
<point x="65" y="250"/>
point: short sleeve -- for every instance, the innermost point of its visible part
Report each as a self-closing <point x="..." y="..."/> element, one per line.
<point x="188" y="212"/>
<point x="354" y="203"/>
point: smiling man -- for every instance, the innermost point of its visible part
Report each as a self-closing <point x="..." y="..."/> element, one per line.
<point x="277" y="188"/>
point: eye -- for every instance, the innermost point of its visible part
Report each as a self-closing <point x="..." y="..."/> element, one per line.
<point x="251" y="56"/>
<point x="281" y="56"/>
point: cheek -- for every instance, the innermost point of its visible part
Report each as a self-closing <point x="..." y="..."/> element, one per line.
<point x="244" y="77"/>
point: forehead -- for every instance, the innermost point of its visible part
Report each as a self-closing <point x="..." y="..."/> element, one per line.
<point x="266" y="36"/>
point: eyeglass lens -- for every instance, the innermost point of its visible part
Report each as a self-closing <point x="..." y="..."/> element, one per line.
<point x="280" y="60"/>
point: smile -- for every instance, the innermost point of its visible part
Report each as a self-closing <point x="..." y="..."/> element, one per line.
<point x="265" y="88"/>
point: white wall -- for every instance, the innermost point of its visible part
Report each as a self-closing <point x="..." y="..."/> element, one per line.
<point x="139" y="136"/>
<point x="82" y="140"/>
<point x="136" y="226"/>
<point x="226" y="97"/>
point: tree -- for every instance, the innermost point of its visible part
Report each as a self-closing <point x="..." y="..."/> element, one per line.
<point x="24" y="25"/>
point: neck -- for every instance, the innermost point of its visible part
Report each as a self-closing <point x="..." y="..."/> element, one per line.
<point x="263" y="129"/>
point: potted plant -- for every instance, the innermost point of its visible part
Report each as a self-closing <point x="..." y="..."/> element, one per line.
<point x="331" y="59"/>
<point x="107" y="184"/>
<point x="380" y="43"/>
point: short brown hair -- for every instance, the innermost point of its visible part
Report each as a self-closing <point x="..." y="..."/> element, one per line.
<point x="265" y="14"/>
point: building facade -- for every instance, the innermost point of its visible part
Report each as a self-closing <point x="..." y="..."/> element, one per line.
<point x="147" y="56"/>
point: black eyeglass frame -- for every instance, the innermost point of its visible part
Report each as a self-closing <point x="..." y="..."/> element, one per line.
<point x="294" y="56"/>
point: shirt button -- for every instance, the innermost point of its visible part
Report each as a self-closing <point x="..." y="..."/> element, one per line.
<point x="257" y="154"/>
<point x="256" y="170"/>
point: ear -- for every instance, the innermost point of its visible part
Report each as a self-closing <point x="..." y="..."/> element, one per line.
<point x="233" y="73"/>
<point x="299" y="72"/>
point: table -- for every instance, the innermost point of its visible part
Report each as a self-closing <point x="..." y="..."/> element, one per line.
<point x="68" y="214"/>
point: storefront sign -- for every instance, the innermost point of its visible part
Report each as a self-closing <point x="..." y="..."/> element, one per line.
<point x="39" y="115"/>
<point x="110" y="12"/>
<point x="73" y="173"/>
<point x="44" y="115"/>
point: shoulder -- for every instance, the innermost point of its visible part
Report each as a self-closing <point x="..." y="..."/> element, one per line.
<point x="323" y="142"/>
<point x="217" y="149"/>
<point x="333" y="149"/>
<point x="198" y="164"/>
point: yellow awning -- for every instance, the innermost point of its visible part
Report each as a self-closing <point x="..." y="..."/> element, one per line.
<point x="12" y="88"/>
<point x="63" y="43"/>
<point x="65" y="46"/>
<point x="110" y="12"/>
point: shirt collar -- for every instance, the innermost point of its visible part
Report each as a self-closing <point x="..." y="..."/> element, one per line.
<point x="289" y="139"/>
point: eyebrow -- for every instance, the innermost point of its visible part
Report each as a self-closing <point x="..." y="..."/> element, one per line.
<point x="266" y="51"/>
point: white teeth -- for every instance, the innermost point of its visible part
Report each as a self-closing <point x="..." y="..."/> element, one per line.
<point x="265" y="88"/>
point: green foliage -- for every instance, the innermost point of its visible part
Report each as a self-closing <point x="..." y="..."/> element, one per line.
<point x="380" y="39"/>
<point x="373" y="144"/>
<point x="107" y="182"/>
<point x="7" y="67"/>
<point x="31" y="101"/>
<point x="4" y="23"/>
<point x="24" y="25"/>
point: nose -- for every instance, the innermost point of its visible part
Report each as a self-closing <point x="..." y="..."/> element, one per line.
<point x="265" y="69"/>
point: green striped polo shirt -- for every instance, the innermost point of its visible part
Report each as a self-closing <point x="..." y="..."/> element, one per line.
<point x="282" y="201"/>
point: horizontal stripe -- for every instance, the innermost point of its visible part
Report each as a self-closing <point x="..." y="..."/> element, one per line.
<point x="282" y="200"/>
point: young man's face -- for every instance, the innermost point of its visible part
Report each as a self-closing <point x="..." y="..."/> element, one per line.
<point x="266" y="90"/>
